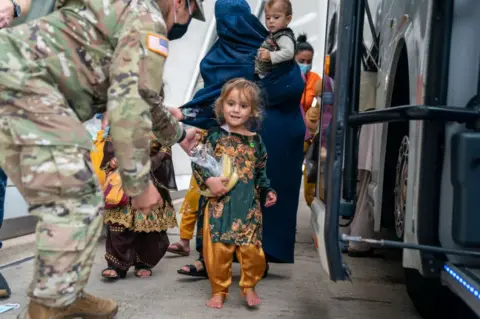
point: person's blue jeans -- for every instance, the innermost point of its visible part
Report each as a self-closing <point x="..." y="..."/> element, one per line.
<point x="3" y="188"/>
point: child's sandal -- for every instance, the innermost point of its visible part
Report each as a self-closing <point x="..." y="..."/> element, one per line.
<point x="194" y="271"/>
<point x="118" y="274"/>
<point x="140" y="270"/>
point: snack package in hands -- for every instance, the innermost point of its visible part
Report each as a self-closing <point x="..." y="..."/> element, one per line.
<point x="202" y="155"/>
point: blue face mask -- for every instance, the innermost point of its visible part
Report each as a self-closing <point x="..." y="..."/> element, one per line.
<point x="178" y="30"/>
<point x="305" y="68"/>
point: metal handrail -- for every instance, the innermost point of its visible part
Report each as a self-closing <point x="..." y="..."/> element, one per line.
<point x="207" y="44"/>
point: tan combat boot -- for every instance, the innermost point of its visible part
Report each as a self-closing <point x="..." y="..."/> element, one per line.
<point x="86" y="306"/>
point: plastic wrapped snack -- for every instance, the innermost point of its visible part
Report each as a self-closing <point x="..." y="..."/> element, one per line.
<point x="203" y="156"/>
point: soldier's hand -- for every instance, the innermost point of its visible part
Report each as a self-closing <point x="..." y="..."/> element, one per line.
<point x="148" y="200"/>
<point x="190" y="140"/>
<point x="176" y="113"/>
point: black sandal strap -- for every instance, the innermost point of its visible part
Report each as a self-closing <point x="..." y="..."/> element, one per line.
<point x="120" y="273"/>
<point x="193" y="271"/>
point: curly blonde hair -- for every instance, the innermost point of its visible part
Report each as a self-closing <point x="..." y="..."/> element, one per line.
<point x="249" y="92"/>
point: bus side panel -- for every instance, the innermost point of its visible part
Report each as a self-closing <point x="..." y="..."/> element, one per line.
<point x="417" y="40"/>
<point x="462" y="86"/>
<point x="402" y="23"/>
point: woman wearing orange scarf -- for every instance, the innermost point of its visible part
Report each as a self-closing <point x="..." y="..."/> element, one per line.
<point x="304" y="58"/>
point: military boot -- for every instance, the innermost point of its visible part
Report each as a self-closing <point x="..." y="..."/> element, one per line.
<point x="86" y="306"/>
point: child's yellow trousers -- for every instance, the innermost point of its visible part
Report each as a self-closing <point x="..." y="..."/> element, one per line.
<point x="219" y="258"/>
<point x="189" y="210"/>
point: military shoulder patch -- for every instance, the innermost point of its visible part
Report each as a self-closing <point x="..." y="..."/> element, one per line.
<point x="157" y="43"/>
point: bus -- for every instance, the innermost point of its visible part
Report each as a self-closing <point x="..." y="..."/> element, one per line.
<point x="424" y="59"/>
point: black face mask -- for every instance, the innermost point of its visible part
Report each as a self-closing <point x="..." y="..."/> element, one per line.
<point x="178" y="30"/>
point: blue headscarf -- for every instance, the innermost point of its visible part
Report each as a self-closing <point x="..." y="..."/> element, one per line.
<point x="240" y="34"/>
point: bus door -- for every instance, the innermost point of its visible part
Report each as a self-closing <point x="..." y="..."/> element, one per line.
<point x="340" y="168"/>
<point x="341" y="140"/>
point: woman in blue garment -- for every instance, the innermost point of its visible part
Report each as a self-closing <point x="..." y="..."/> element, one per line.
<point x="240" y="34"/>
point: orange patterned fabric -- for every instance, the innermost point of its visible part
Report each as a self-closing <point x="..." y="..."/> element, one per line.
<point x="310" y="90"/>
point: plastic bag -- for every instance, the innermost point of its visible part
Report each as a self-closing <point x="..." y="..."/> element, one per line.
<point x="202" y="155"/>
<point x="92" y="126"/>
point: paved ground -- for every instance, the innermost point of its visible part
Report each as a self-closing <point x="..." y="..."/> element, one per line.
<point x="291" y="291"/>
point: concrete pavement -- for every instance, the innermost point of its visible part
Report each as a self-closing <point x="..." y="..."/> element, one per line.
<point x="291" y="291"/>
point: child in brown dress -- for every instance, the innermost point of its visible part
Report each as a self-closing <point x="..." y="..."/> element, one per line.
<point x="134" y="238"/>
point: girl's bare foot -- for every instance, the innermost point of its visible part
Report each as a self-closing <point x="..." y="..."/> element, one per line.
<point x="252" y="299"/>
<point x="216" y="302"/>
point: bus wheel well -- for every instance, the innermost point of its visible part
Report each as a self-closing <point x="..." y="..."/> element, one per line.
<point x="400" y="95"/>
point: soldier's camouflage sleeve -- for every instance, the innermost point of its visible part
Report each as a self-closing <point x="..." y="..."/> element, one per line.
<point x="136" y="77"/>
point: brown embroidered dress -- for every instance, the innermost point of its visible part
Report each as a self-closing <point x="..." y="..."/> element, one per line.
<point x="236" y="218"/>
<point x="135" y="238"/>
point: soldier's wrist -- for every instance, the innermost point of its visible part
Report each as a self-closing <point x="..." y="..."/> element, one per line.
<point x="182" y="137"/>
<point x="139" y="187"/>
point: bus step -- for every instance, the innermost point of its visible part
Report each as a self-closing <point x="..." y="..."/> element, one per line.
<point x="465" y="282"/>
<point x="415" y="112"/>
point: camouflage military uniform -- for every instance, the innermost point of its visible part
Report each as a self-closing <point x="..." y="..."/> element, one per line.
<point x="55" y="73"/>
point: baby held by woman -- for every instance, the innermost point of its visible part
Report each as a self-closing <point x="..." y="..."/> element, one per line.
<point x="279" y="46"/>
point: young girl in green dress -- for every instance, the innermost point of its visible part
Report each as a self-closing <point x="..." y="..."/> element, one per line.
<point x="233" y="219"/>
